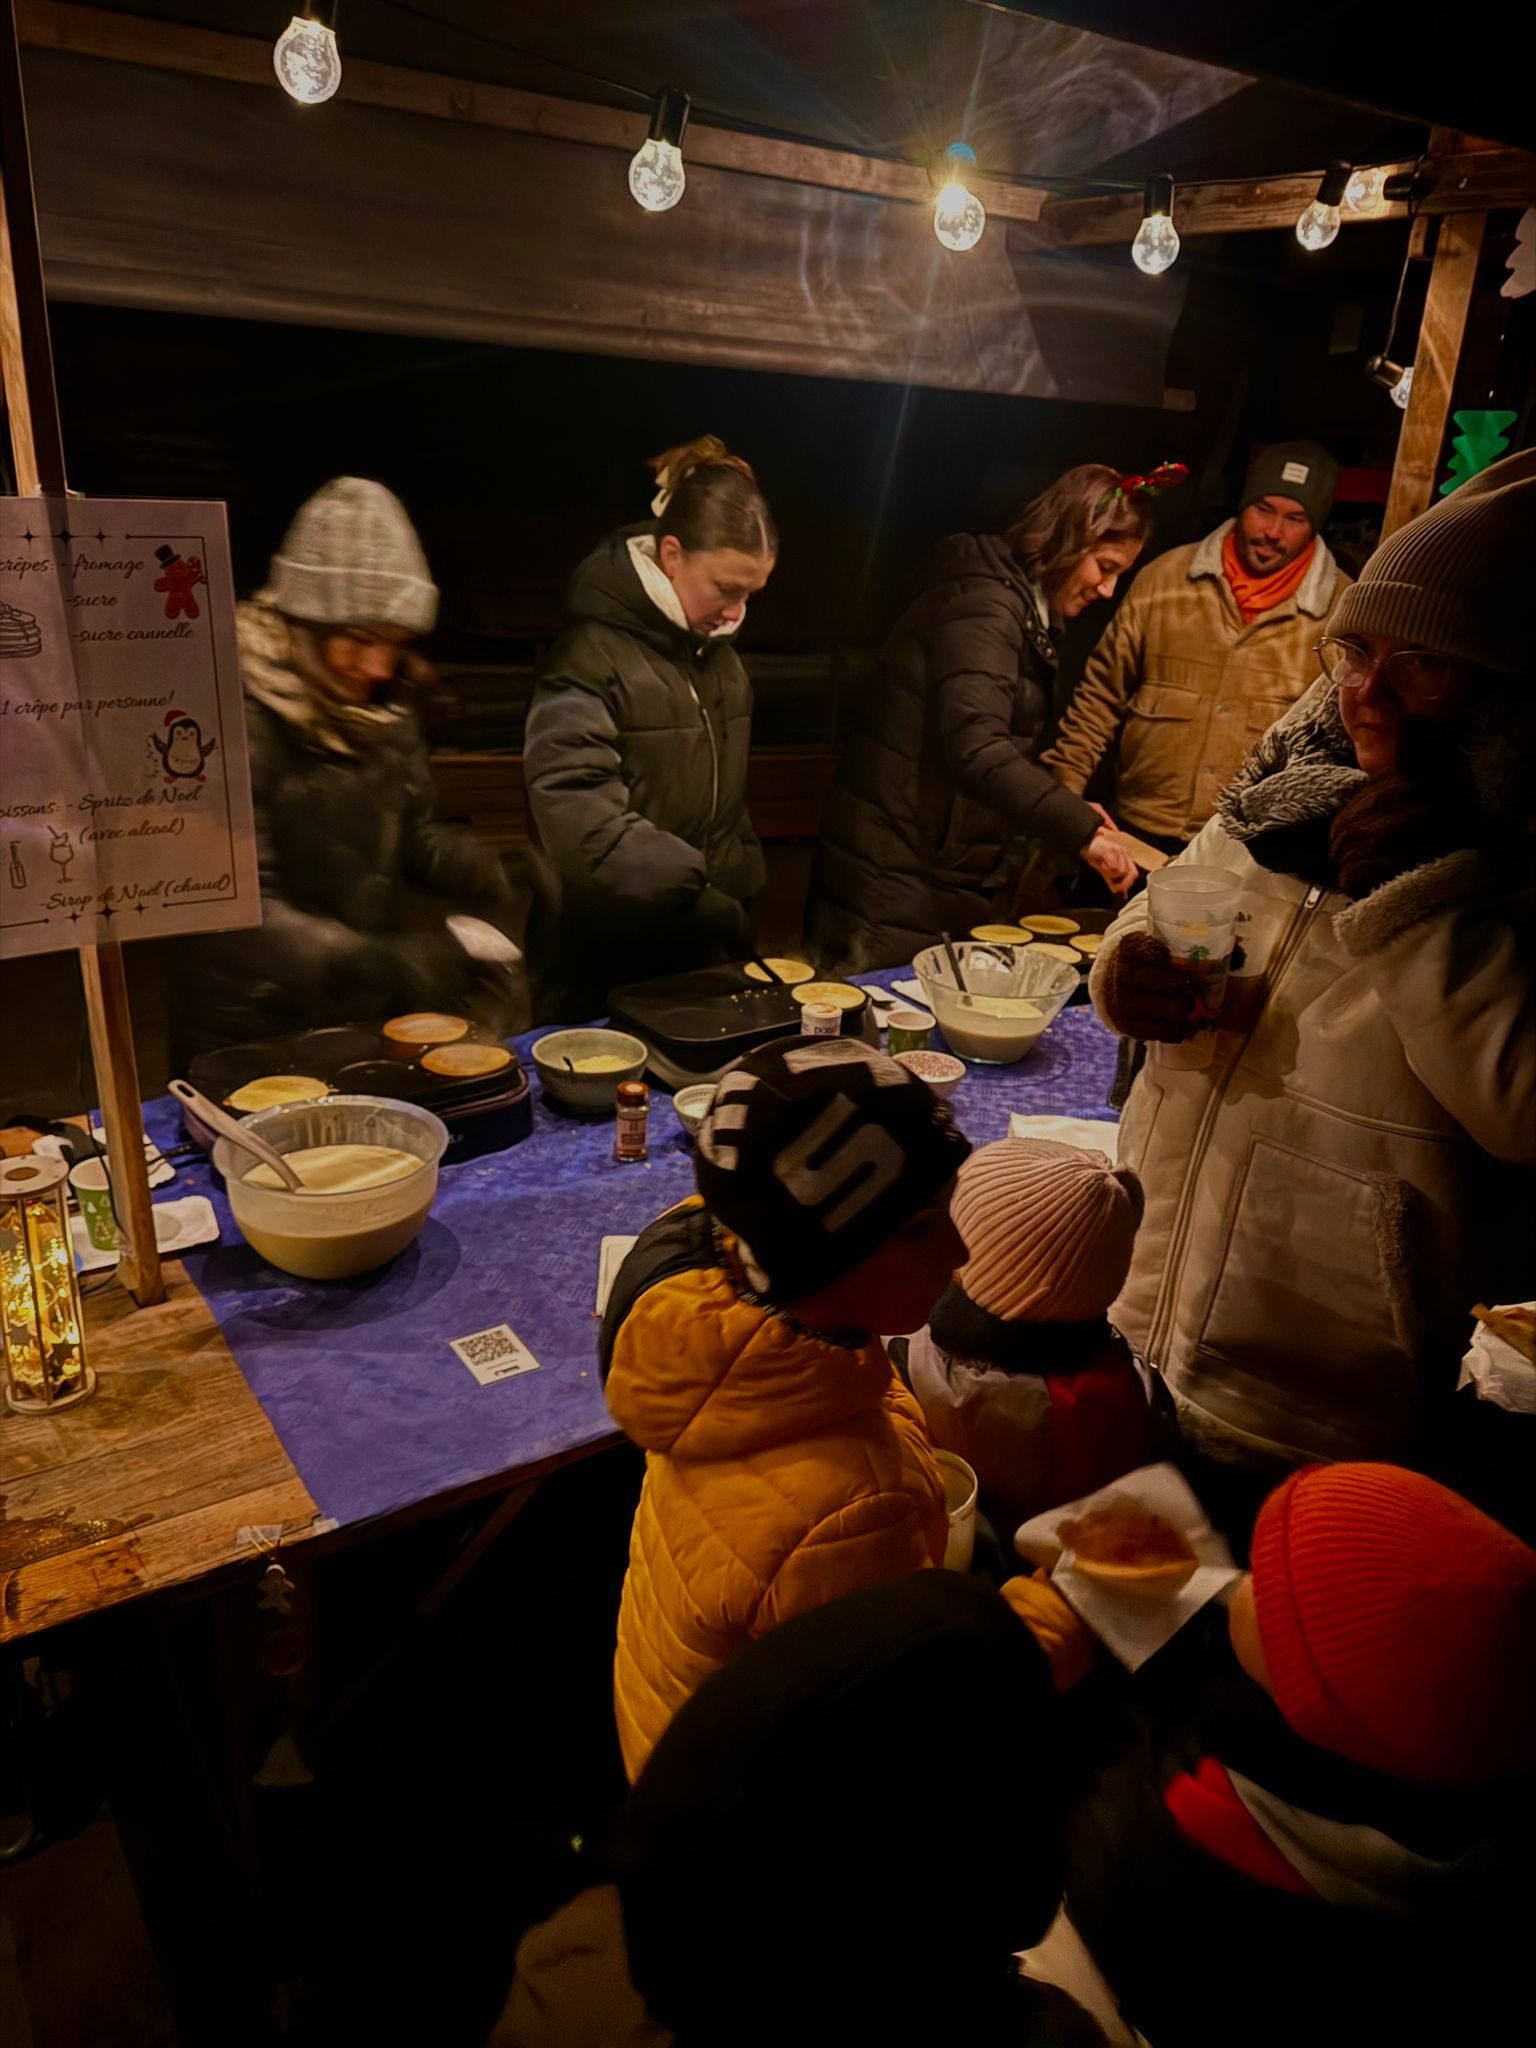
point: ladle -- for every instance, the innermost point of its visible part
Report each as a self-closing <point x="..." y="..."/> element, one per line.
<point x="240" y="1134"/>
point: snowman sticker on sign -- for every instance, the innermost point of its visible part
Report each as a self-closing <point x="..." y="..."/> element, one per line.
<point x="183" y="751"/>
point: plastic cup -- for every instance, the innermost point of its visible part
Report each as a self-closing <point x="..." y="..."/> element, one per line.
<point x="821" y="1020"/>
<point x="93" y="1191"/>
<point x="909" y="1031"/>
<point x="960" y="1504"/>
<point x="1194" y="913"/>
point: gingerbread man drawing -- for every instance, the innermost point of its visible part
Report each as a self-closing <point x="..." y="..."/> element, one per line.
<point x="177" y="579"/>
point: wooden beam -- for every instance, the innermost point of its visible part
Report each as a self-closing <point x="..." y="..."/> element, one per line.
<point x="37" y="453"/>
<point x="1467" y="182"/>
<point x="242" y="60"/>
<point x="1422" y="437"/>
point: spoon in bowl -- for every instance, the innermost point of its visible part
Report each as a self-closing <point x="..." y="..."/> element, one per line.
<point x="216" y="1119"/>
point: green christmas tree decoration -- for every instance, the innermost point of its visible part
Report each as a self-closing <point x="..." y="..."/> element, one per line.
<point x="1483" y="438"/>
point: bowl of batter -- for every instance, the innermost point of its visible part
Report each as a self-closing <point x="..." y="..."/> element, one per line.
<point x="369" y="1172"/>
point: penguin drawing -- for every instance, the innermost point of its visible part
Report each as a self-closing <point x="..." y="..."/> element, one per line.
<point x="183" y="751"/>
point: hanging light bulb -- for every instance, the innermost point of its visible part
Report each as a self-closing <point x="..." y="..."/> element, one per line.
<point x="1392" y="377"/>
<point x="1366" y="190"/>
<point x="1319" y="223"/>
<point x="657" y="179"/>
<point x="307" y="61"/>
<point x="1156" y="246"/>
<point x="958" y="215"/>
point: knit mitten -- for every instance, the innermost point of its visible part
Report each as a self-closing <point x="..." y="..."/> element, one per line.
<point x="1143" y="994"/>
<point x="1066" y="1642"/>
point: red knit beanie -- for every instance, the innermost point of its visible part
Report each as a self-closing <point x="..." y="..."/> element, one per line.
<point x="1399" y="1624"/>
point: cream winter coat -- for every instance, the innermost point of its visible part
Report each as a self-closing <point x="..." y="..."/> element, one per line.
<point x="1328" y="1197"/>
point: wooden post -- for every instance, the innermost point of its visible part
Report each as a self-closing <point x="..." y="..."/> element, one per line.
<point x="1451" y="278"/>
<point x="37" y="449"/>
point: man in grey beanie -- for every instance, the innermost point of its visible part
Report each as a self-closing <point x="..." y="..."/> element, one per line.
<point x="370" y="907"/>
<point x="1213" y="643"/>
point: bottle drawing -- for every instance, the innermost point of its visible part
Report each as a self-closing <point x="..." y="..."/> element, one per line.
<point x="17" y="870"/>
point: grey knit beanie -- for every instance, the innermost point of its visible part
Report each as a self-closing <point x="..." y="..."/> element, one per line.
<point x="1456" y="578"/>
<point x="1303" y="470"/>
<point x="352" y="558"/>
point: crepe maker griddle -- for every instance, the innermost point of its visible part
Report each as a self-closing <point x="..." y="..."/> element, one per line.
<point x="698" y="1024"/>
<point x="483" y="1113"/>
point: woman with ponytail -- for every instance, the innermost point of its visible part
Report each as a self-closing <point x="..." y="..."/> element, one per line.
<point x="637" y="739"/>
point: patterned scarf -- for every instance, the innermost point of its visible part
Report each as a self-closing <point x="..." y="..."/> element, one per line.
<point x="1302" y="771"/>
<point x="280" y="667"/>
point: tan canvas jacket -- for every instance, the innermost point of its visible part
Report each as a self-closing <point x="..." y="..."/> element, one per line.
<point x="1182" y="688"/>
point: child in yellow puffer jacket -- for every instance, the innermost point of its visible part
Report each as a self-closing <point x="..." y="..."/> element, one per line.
<point x="786" y="1464"/>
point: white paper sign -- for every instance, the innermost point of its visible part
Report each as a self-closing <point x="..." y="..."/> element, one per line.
<point x="125" y="794"/>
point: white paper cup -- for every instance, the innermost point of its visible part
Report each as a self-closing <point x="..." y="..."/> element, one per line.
<point x="960" y="1501"/>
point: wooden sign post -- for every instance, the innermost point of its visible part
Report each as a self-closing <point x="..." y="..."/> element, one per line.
<point x="1441" y="332"/>
<point x="37" y="452"/>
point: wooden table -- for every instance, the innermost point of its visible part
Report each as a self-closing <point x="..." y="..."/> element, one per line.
<point x="149" y="1483"/>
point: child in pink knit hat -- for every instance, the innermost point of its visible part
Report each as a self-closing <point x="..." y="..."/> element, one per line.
<point x="1018" y="1371"/>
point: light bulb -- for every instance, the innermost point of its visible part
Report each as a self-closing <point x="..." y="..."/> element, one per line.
<point x="1396" y="381"/>
<point x="1318" y="226"/>
<point x="1319" y="223"/>
<point x="307" y="61"/>
<point x="1156" y="246"/>
<point x="958" y="216"/>
<point x="657" y="179"/>
<point x="1366" y="190"/>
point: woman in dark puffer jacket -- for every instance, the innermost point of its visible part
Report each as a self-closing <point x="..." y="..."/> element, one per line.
<point x="938" y="780"/>
<point x="635" y="753"/>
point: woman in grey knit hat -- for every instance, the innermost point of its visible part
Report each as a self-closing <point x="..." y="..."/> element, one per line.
<point x="359" y="881"/>
<point x="1331" y="1186"/>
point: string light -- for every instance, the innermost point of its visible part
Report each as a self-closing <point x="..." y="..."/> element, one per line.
<point x="959" y="218"/>
<point x="1156" y="247"/>
<point x="1381" y="369"/>
<point x="657" y="179"/>
<point x="1319" y="223"/>
<point x="1392" y="377"/>
<point x="307" y="61"/>
<point x="1366" y="190"/>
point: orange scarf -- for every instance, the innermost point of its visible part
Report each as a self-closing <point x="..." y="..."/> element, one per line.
<point x="1257" y="594"/>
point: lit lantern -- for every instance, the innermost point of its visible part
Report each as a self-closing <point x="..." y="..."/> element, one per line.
<point x="45" y="1364"/>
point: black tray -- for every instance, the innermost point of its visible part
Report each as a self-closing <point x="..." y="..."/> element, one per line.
<point x="483" y="1112"/>
<point x="700" y="1023"/>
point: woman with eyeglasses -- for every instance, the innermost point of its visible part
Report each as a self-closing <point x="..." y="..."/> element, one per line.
<point x="370" y="906"/>
<point x="1339" y="1171"/>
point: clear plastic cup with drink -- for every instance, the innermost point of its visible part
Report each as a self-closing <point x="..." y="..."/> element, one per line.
<point x="1194" y="913"/>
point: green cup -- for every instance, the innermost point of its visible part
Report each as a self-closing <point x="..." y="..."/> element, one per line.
<point x="93" y="1191"/>
<point x="909" y="1031"/>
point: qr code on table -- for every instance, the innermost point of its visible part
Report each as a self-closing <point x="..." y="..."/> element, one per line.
<point x="498" y="1354"/>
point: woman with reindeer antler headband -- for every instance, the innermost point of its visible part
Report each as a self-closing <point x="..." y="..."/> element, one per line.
<point x="938" y="786"/>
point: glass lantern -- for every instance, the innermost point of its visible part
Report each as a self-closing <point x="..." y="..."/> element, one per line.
<point x="40" y="1321"/>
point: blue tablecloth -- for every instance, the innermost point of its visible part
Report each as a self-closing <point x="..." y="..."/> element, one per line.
<point x="357" y="1377"/>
